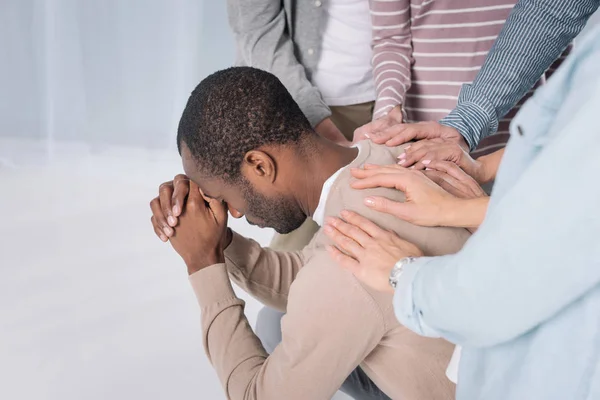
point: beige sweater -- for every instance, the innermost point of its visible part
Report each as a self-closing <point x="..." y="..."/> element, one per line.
<point x="333" y="323"/>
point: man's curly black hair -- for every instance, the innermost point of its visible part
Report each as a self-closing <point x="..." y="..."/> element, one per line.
<point x="234" y="111"/>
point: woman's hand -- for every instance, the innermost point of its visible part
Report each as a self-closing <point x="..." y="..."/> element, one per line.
<point x="427" y="203"/>
<point x="366" y="250"/>
<point x="454" y="180"/>
<point x="367" y="131"/>
<point x="403" y="133"/>
<point x="420" y="154"/>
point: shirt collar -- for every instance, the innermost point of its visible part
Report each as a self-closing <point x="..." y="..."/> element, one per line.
<point x="319" y="214"/>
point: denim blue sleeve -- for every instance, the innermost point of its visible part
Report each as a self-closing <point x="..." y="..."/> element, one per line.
<point x="537" y="250"/>
<point x="535" y="34"/>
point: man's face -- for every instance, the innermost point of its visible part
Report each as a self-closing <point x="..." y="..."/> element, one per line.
<point x="267" y="208"/>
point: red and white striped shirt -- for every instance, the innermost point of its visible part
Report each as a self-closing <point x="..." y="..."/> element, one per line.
<point x="424" y="50"/>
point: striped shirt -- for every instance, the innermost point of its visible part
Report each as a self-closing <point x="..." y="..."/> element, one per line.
<point x="425" y="50"/>
<point x="534" y="35"/>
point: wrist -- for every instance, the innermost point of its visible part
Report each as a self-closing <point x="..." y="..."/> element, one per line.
<point x="396" y="111"/>
<point x="486" y="171"/>
<point x="465" y="213"/>
<point x="479" y="171"/>
<point x="397" y="271"/>
<point x="396" y="114"/>
<point x="209" y="260"/>
<point x="450" y="212"/>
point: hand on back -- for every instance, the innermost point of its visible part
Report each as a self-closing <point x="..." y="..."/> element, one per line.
<point x="430" y="195"/>
<point x="368" y="131"/>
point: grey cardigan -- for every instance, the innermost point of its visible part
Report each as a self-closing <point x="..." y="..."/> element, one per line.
<point x="282" y="37"/>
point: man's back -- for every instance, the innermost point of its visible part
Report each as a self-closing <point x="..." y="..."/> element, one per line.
<point x="332" y="322"/>
<point x="408" y="361"/>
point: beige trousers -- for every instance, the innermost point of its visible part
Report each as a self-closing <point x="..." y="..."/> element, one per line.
<point x="347" y="119"/>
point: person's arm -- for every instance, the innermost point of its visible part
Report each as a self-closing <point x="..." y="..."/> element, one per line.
<point x="392" y="53"/>
<point x="263" y="41"/>
<point x="535" y="254"/>
<point x="392" y="58"/>
<point x="331" y="321"/>
<point x="489" y="165"/>
<point x="444" y="195"/>
<point x="534" y="35"/>
<point x="467" y="213"/>
<point x="330" y="325"/>
<point x="264" y="273"/>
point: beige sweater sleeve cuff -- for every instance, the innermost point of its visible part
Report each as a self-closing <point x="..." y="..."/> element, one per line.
<point x="212" y="285"/>
<point x="238" y="250"/>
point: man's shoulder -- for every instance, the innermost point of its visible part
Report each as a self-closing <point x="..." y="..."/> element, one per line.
<point x="434" y="241"/>
<point x="342" y="195"/>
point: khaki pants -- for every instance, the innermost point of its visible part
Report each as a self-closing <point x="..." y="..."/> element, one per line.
<point x="347" y="119"/>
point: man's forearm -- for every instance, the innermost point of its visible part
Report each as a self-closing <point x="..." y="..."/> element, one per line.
<point x="535" y="34"/>
<point x="264" y="273"/>
<point x="317" y="351"/>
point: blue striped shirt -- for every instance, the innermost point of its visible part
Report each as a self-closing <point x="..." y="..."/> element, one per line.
<point x="535" y="34"/>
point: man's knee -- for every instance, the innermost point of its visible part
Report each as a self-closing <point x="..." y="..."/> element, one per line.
<point x="268" y="328"/>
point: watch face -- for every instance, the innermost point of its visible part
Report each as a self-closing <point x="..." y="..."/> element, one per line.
<point x="396" y="272"/>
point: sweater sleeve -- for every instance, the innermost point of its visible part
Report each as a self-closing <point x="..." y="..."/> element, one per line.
<point x="264" y="273"/>
<point x="331" y="324"/>
<point x="263" y="41"/>
<point x="392" y="53"/>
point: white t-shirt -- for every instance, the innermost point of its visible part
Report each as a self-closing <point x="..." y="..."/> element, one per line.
<point x="319" y="214"/>
<point x="344" y="74"/>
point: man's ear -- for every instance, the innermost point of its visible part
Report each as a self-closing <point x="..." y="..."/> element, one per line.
<point x="259" y="165"/>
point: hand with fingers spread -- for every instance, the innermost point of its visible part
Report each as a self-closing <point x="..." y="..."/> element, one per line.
<point x="404" y="133"/>
<point x="201" y="235"/>
<point x="366" y="250"/>
<point x="427" y="203"/>
<point x="367" y="131"/>
<point x="168" y="206"/>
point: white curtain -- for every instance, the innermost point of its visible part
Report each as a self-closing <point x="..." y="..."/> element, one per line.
<point x="105" y="72"/>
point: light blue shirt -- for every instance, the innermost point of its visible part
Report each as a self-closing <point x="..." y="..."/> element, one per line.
<point x="523" y="296"/>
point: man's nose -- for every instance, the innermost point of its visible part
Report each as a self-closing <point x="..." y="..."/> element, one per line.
<point x="235" y="213"/>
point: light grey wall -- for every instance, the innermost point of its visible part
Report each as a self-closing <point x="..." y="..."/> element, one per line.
<point x="107" y="71"/>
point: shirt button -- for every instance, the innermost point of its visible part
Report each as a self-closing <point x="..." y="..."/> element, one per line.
<point x="311" y="52"/>
<point x="318" y="3"/>
<point x="520" y="130"/>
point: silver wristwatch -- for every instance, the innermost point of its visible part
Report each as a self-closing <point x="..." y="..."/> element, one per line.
<point x="398" y="270"/>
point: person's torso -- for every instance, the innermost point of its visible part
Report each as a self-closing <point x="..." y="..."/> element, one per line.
<point x="560" y="358"/>
<point x="343" y="73"/>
